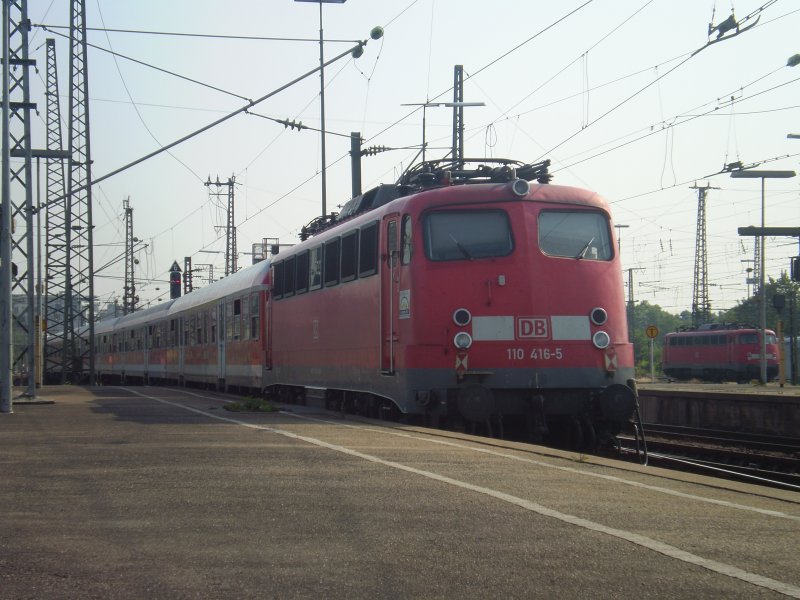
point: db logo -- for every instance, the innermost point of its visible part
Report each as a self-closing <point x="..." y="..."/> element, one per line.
<point x="532" y="328"/>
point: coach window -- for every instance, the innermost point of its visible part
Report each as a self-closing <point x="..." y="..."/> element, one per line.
<point x="229" y="321"/>
<point x="188" y="330"/>
<point x="288" y="277"/>
<point x="582" y="235"/>
<point x="315" y="268"/>
<point x="331" y="262"/>
<point x="405" y="240"/>
<point x="254" y="315"/>
<point x="301" y="278"/>
<point x="368" y="250"/>
<point x="349" y="263"/>
<point x="467" y="234"/>
<point x="212" y="325"/>
<point x="277" y="280"/>
<point x="246" y="318"/>
<point x="237" y="318"/>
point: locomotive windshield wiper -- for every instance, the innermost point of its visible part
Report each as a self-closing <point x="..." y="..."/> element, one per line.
<point x="464" y="251"/>
<point x="582" y="253"/>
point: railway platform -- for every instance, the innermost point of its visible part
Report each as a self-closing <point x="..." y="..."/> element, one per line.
<point x="147" y="492"/>
<point x="745" y="408"/>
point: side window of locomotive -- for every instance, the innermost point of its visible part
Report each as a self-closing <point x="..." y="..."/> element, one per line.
<point x="288" y="277"/>
<point x="467" y="235"/>
<point x="277" y="280"/>
<point x="575" y="234"/>
<point x="315" y="268"/>
<point x="748" y="338"/>
<point x="405" y="240"/>
<point x="331" y="262"/>
<point x="349" y="259"/>
<point x="301" y="280"/>
<point x="368" y="250"/>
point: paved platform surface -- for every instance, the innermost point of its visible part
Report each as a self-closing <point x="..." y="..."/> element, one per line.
<point x="770" y="389"/>
<point x="154" y="493"/>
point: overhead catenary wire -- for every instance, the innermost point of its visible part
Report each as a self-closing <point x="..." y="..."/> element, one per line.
<point x="213" y="124"/>
<point x="156" y="68"/>
<point x="197" y="35"/>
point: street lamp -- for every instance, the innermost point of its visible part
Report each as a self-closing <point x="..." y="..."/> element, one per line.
<point x="763" y="175"/>
<point x="322" y="98"/>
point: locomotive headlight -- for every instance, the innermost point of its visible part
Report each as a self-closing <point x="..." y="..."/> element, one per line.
<point x="599" y="316"/>
<point x="601" y="340"/>
<point x="462" y="317"/>
<point x="462" y="340"/>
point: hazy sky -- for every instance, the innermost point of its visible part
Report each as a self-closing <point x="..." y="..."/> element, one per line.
<point x="607" y="89"/>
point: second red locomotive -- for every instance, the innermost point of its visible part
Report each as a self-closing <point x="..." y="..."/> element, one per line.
<point x="719" y="352"/>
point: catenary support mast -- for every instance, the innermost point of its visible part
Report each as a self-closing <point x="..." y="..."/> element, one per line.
<point x="57" y="234"/>
<point x="80" y="277"/>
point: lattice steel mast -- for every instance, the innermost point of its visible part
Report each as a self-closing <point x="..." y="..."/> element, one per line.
<point x="129" y="294"/>
<point x="56" y="234"/>
<point x="231" y="263"/>
<point x="458" y="115"/>
<point x="188" y="282"/>
<point x="701" y="307"/>
<point x="16" y="224"/>
<point x="80" y="281"/>
<point x="757" y="268"/>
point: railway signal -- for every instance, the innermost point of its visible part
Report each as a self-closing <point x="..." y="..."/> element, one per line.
<point x="175" y="281"/>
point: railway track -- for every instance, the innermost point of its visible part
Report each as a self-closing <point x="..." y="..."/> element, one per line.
<point x="761" y="459"/>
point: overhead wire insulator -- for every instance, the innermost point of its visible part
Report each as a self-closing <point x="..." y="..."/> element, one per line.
<point x="373" y="150"/>
<point x="292" y="124"/>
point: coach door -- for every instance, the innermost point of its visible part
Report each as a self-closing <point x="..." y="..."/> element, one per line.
<point x="389" y="293"/>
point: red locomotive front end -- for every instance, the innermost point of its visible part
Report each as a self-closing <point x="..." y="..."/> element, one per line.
<point x="511" y="309"/>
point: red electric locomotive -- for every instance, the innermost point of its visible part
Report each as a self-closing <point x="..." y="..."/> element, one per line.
<point x="455" y="294"/>
<point x="718" y="352"/>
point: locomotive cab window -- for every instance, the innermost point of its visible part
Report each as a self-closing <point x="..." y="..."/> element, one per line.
<point x="467" y="234"/>
<point x="405" y="240"/>
<point x="575" y="234"/>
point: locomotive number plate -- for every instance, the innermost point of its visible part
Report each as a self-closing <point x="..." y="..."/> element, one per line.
<point x="535" y="354"/>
